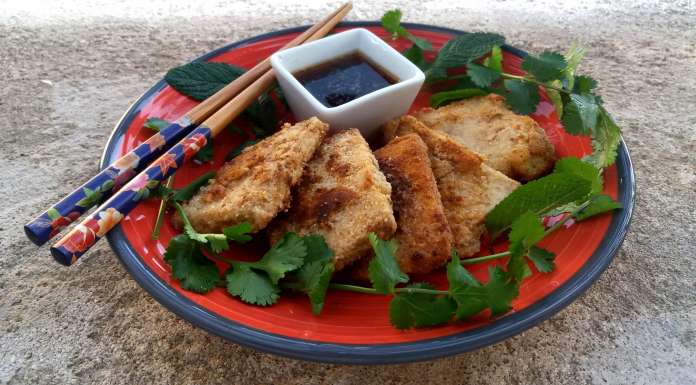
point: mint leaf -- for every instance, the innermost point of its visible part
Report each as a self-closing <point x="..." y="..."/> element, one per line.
<point x="315" y="274"/>
<point x="156" y="124"/>
<point x="545" y="67"/>
<point x="189" y="266"/>
<point x="543" y="259"/>
<point x="521" y="97"/>
<point x="192" y="188"/>
<point x="383" y="270"/>
<point x="462" y="49"/>
<point x="250" y="286"/>
<point x="537" y="196"/>
<point x="525" y="232"/>
<point x="285" y="256"/>
<point x="391" y="21"/>
<point x="598" y="205"/>
<point x="445" y="97"/>
<point x="583" y="169"/>
<point x="495" y="60"/>
<point x="482" y="76"/>
<point x="580" y="114"/>
<point x="605" y="141"/>
<point x="200" y="80"/>
<point x="408" y="310"/>
<point x="238" y="233"/>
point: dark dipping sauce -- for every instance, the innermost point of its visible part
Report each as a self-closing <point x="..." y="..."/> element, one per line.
<point x="340" y="80"/>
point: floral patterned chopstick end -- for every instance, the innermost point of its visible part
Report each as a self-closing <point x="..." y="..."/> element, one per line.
<point x="101" y="186"/>
<point x="109" y="214"/>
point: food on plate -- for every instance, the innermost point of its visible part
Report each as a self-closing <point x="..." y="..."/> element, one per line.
<point x="512" y="144"/>
<point x="342" y="196"/>
<point x="422" y="232"/>
<point x="255" y="186"/>
<point x="468" y="191"/>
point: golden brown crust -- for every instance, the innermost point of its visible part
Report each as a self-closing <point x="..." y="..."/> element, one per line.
<point x="342" y="196"/>
<point x="512" y="144"/>
<point x="255" y="186"/>
<point x="463" y="182"/>
<point x="424" y="237"/>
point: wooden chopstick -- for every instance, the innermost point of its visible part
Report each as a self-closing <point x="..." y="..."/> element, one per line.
<point x="49" y="223"/>
<point x="76" y="242"/>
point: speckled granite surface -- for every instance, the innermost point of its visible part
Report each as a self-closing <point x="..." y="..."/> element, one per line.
<point x="69" y="71"/>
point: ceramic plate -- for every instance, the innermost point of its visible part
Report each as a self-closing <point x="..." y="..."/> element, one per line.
<point x="354" y="328"/>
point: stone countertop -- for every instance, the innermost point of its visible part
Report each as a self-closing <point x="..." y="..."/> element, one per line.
<point x="69" y="71"/>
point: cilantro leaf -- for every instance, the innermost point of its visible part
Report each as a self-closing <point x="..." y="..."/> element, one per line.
<point x="238" y="233"/>
<point x="391" y="21"/>
<point x="543" y="259"/>
<point x="580" y="114"/>
<point x="285" y="256"/>
<point x="155" y="124"/>
<point x="419" y="42"/>
<point x="584" y="84"/>
<point x="315" y="274"/>
<point x="442" y="98"/>
<point x="495" y="60"/>
<point x="583" y="169"/>
<point x="525" y="232"/>
<point x="251" y="286"/>
<point x="192" y="188"/>
<point x="217" y="242"/>
<point x="482" y="76"/>
<point x="206" y="153"/>
<point x="465" y="289"/>
<point x="598" y="205"/>
<point x="545" y="67"/>
<point x="573" y="58"/>
<point x="521" y="97"/>
<point x="605" y="141"/>
<point x="472" y="297"/>
<point x="461" y="50"/>
<point x="537" y="196"/>
<point x="383" y="270"/>
<point x="189" y="266"/>
<point x="408" y="310"/>
<point x="415" y="56"/>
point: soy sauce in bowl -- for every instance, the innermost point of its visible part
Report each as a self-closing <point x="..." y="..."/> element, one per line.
<point x="345" y="78"/>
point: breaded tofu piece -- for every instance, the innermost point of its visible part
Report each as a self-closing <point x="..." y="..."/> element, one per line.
<point x="256" y="185"/>
<point x="424" y="237"/>
<point x="342" y="196"/>
<point x="512" y="144"/>
<point x="467" y="189"/>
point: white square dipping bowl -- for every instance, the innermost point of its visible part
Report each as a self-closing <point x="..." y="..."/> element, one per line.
<point x="365" y="113"/>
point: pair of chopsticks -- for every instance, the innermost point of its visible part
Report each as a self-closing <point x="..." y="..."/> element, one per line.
<point x="184" y="138"/>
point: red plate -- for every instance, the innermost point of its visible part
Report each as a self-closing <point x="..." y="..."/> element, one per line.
<point x="354" y="328"/>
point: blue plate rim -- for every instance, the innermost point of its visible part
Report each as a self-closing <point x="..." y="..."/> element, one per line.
<point x="362" y="354"/>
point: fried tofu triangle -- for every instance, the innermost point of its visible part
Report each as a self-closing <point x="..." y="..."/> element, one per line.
<point x="424" y="237"/>
<point x="468" y="188"/>
<point x="512" y="144"/>
<point x="342" y="196"/>
<point x="255" y="186"/>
